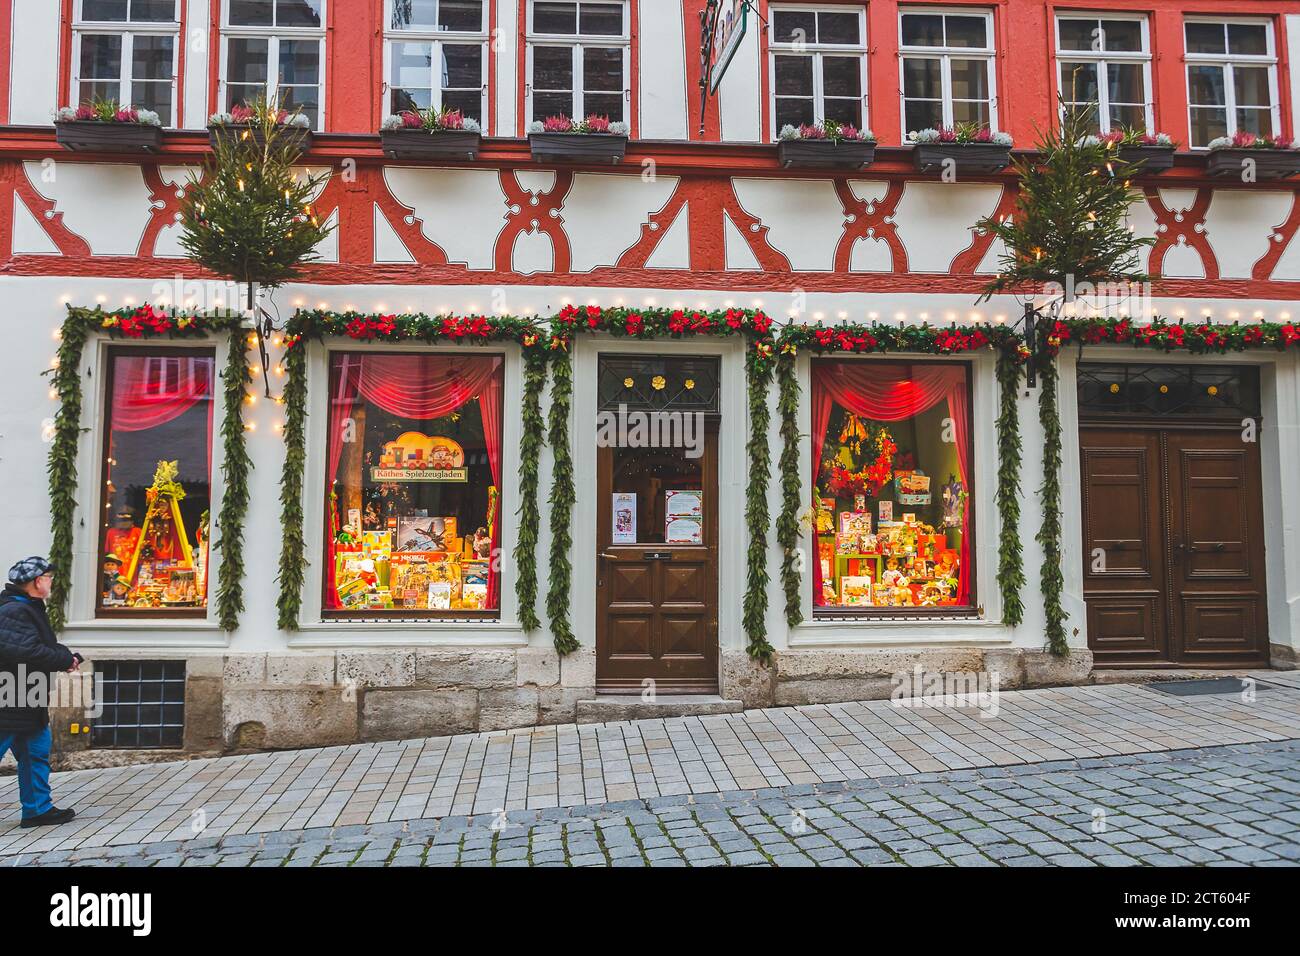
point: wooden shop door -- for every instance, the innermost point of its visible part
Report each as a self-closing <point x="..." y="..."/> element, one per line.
<point x="1173" y="546"/>
<point x="656" y="583"/>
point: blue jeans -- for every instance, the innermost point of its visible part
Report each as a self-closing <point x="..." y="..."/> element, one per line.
<point x="32" y="751"/>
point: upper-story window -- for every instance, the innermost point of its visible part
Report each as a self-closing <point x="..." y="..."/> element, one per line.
<point x="125" y="50"/>
<point x="276" y="49"/>
<point x="1105" y="64"/>
<point x="818" y="66"/>
<point x="437" y="56"/>
<point x="1231" y="79"/>
<point x="947" y="68"/>
<point x="578" y="59"/>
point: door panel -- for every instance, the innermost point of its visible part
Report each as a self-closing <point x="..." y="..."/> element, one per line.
<point x="1123" y="577"/>
<point x="656" y="600"/>
<point x="1216" y="529"/>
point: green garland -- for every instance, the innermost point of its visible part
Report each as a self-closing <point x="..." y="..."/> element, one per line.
<point x="235" y="467"/>
<point x="142" y="323"/>
<point x="293" y="548"/>
<point x="530" y="448"/>
<point x="562" y="499"/>
<point x="758" y="368"/>
<point x="1051" y="581"/>
<point x="62" y="464"/>
<point x="1011" y="562"/>
<point x="787" y="524"/>
<point x="1202" y="338"/>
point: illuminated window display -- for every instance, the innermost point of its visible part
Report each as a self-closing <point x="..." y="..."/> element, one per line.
<point x="413" y="481"/>
<point x="157" y="466"/>
<point x="892" y="473"/>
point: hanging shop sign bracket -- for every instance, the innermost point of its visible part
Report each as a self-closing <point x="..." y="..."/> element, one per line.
<point x="723" y="24"/>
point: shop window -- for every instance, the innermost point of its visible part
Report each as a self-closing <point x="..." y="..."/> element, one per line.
<point x="947" y="68"/>
<point x="125" y="50"/>
<point x="818" y="66"/>
<point x="1105" y="65"/>
<point x="153" y="547"/>
<point x="437" y="56"/>
<point x="578" y="59"/>
<point x="144" y="705"/>
<point x="1231" y="79"/>
<point x="413" y="496"/>
<point x="892" y="475"/>
<point x="275" y="49"/>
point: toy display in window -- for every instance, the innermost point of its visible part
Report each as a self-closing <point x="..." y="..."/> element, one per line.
<point x="156" y="560"/>
<point x="110" y="572"/>
<point x="123" y="538"/>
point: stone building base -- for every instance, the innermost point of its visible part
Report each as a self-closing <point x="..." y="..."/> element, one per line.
<point x="274" y="701"/>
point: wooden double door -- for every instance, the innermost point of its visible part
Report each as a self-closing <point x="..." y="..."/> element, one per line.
<point x="1173" y="545"/>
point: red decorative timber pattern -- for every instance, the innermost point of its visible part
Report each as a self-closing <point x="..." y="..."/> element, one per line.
<point x="968" y="260"/>
<point x="870" y="219"/>
<point x="355" y="199"/>
<point x="706" y="200"/>
<point x="1283" y="235"/>
<point x="1188" y="225"/>
<point x="164" y="208"/>
<point x="14" y="179"/>
<point x="528" y="212"/>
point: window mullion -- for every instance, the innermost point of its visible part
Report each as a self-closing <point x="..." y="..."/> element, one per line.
<point x="945" y="89"/>
<point x="272" y="69"/>
<point x="1103" y="96"/>
<point x="579" y="105"/>
<point x="124" y="72"/>
<point x="435" y="75"/>
<point x="1230" y="97"/>
<point x="819" y="90"/>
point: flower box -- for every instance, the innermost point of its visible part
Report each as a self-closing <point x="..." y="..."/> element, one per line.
<point x="297" y="136"/>
<point x="600" y="148"/>
<point x="967" y="157"/>
<point x="98" y="136"/>
<point x="826" y="153"/>
<point x="1269" y="163"/>
<point x="457" y="145"/>
<point x="1154" y="159"/>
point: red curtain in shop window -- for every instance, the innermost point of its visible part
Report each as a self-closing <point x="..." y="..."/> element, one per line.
<point x="417" y="387"/>
<point x="892" y="393"/>
<point x="152" y="390"/>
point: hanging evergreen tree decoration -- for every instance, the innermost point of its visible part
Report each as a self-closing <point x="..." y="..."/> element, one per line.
<point x="1070" y="223"/>
<point x="250" y="217"/>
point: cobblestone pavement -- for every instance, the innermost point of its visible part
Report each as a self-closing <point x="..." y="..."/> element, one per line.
<point x="340" y="791"/>
<point x="1219" y="806"/>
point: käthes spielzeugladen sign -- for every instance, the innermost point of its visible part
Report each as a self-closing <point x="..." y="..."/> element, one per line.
<point x="414" y="456"/>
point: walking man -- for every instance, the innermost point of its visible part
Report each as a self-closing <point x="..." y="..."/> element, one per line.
<point x="27" y="646"/>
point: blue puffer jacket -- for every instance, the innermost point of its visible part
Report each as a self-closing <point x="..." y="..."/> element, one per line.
<point x="26" y="639"/>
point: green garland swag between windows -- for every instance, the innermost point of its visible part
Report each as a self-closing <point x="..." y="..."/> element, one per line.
<point x="145" y="324"/>
<point x="530" y="449"/>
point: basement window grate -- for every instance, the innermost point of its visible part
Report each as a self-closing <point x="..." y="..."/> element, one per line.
<point x="1198" y="688"/>
<point x="144" y="705"/>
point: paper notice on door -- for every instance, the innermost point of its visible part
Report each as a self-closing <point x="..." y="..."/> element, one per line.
<point x="624" y="517"/>
<point x="684" y="517"/>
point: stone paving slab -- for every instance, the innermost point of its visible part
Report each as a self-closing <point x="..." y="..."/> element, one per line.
<point x="1237" y="805"/>
<point x="261" y="796"/>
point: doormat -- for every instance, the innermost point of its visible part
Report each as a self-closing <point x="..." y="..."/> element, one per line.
<point x="1198" y="688"/>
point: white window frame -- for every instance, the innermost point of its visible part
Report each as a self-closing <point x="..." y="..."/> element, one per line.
<point x="577" y="42"/>
<point x="1102" y="60"/>
<point x="273" y="35"/>
<point x="128" y="30"/>
<point x="1228" y="61"/>
<point x="816" y="51"/>
<point x="945" y="56"/>
<point x="436" y="38"/>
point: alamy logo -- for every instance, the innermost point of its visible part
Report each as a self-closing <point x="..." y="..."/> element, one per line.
<point x="74" y="908"/>
<point x="23" y="688"/>
<point x="637" y="429"/>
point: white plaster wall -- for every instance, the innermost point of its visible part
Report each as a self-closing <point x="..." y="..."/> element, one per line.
<point x="662" y="61"/>
<point x="34" y="62"/>
<point x="198" y="58"/>
<point x="507" y="63"/>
